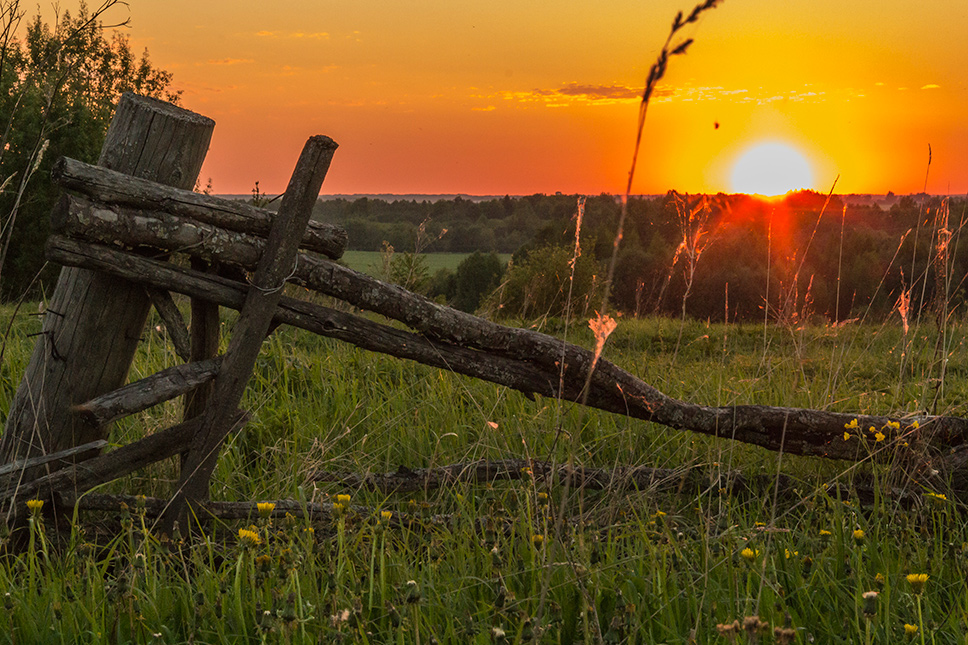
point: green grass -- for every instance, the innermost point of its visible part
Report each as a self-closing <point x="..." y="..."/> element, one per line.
<point x="371" y="262"/>
<point x="627" y="566"/>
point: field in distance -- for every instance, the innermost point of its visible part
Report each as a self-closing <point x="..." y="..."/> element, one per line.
<point x="371" y="262"/>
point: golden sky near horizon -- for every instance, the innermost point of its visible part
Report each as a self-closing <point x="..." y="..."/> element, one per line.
<point x="526" y="96"/>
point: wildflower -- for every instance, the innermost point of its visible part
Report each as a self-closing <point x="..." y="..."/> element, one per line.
<point x="749" y="554"/>
<point x="537" y="539"/>
<point x="879" y="436"/>
<point x="938" y="497"/>
<point x="879" y="580"/>
<point x="872" y="429"/>
<point x="852" y="425"/>
<point x="825" y="533"/>
<point x="752" y="625"/>
<point x="542" y="497"/>
<point x="343" y="499"/>
<point x="265" y="509"/>
<point x="870" y="603"/>
<point x="249" y="537"/>
<point x="910" y="629"/>
<point x="728" y="630"/>
<point x="917" y="581"/>
<point x="790" y="554"/>
<point x="659" y="514"/>
<point x="859" y="536"/>
<point x="338" y="509"/>
<point x="784" y="635"/>
<point x="386" y="515"/>
<point x="846" y="436"/>
<point x="894" y="425"/>
<point x="34" y="505"/>
<point x="915" y="425"/>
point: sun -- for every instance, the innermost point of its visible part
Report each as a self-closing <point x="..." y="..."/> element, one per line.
<point x="770" y="169"/>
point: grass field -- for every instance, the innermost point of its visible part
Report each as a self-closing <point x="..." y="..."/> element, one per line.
<point x="521" y="561"/>
<point x="371" y="262"/>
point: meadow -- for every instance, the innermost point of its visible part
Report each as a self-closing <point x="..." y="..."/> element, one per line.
<point x="371" y="262"/>
<point x="683" y="560"/>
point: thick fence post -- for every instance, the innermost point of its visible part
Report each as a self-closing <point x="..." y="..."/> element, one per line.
<point x="94" y="321"/>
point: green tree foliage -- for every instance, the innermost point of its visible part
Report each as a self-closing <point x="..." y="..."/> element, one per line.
<point x="540" y="285"/>
<point x="59" y="85"/>
<point x="476" y="276"/>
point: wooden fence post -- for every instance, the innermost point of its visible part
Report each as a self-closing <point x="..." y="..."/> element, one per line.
<point x="94" y="321"/>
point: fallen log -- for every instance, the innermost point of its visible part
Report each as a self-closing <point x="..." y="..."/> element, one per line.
<point x="84" y="476"/>
<point x="792" y="430"/>
<point x="115" y="189"/>
<point x="77" y="452"/>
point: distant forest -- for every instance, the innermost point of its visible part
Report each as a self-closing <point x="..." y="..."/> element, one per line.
<point x="712" y="257"/>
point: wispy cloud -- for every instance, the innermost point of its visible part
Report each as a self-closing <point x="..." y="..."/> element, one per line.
<point x="931" y="86"/>
<point x="598" y="92"/>
<point x="229" y="61"/>
<point x="294" y="35"/>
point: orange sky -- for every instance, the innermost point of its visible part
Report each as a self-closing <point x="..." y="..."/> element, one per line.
<point x="525" y="96"/>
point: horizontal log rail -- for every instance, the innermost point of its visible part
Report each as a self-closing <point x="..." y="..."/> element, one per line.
<point x="792" y="430"/>
<point x="116" y="189"/>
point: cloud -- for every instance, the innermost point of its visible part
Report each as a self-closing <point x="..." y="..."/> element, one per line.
<point x="295" y="35"/>
<point x="229" y="61"/>
<point x="599" y="92"/>
<point x="489" y="108"/>
<point x="931" y="86"/>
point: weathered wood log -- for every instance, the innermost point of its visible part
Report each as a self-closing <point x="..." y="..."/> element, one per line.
<point x="155" y="507"/>
<point x="174" y="323"/>
<point x="116" y="189"/>
<point x="150" y="391"/>
<point x="81" y="477"/>
<point x="17" y="467"/>
<point x="94" y="322"/>
<point x="204" y="338"/>
<point x="769" y="427"/>
<point x="274" y="268"/>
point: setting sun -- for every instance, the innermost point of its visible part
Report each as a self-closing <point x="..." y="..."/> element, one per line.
<point x="770" y="169"/>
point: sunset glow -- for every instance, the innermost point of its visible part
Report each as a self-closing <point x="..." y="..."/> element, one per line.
<point x="771" y="169"/>
<point x="503" y="97"/>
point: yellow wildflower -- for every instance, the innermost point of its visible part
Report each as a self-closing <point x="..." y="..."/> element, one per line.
<point x="386" y="515"/>
<point x="879" y="436"/>
<point x="859" y="536"/>
<point x="846" y="436"/>
<point x="789" y="554"/>
<point x="749" y="554"/>
<point x="910" y="629"/>
<point x="825" y="533"/>
<point x="915" y="425"/>
<point x="852" y="425"/>
<point x="537" y="539"/>
<point x="265" y="508"/>
<point x="343" y="499"/>
<point x="917" y="581"/>
<point x="249" y="538"/>
<point x="34" y="505"/>
<point x="894" y="425"/>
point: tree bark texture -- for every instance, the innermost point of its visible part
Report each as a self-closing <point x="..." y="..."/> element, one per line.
<point x="795" y="431"/>
<point x="150" y="391"/>
<point x="94" y="321"/>
<point x="116" y="189"/>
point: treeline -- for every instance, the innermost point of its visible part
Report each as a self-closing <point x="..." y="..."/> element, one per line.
<point x="710" y="256"/>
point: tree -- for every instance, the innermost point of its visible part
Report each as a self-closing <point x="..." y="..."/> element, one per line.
<point x="59" y="86"/>
<point x="477" y="275"/>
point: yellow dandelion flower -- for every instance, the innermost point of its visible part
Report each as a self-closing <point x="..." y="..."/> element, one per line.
<point x="790" y="554"/>
<point x="879" y="436"/>
<point x="34" y="505"/>
<point x="852" y="425"/>
<point x="894" y="425"/>
<point x="343" y="499"/>
<point x="386" y="515"/>
<point x="338" y="508"/>
<point x="872" y="429"/>
<point x="859" y="536"/>
<point x="537" y="539"/>
<point x="917" y="581"/>
<point x="265" y="508"/>
<point x="846" y="436"/>
<point x="542" y="497"/>
<point x="910" y="629"/>
<point x="825" y="533"/>
<point x="915" y="425"/>
<point x="879" y="579"/>
<point x="749" y="554"/>
<point x="249" y="538"/>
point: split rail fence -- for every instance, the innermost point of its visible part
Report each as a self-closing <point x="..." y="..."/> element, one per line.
<point x="117" y="226"/>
